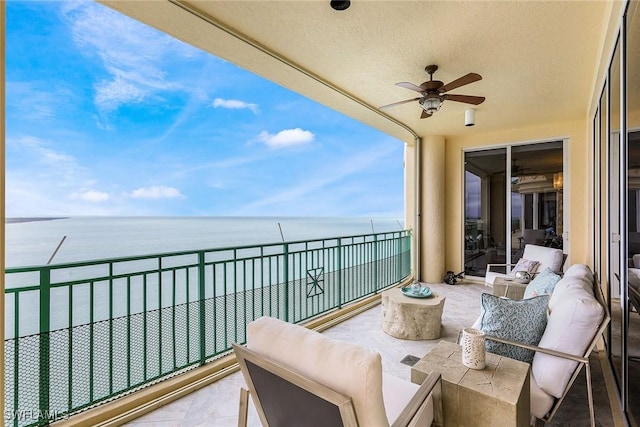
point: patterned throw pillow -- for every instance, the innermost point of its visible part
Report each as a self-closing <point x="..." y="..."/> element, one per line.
<point x="542" y="284"/>
<point x="523" y="321"/>
<point x="527" y="265"/>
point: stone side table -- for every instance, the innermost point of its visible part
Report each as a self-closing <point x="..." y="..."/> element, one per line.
<point x="497" y="395"/>
<point x="411" y="318"/>
<point x="510" y="288"/>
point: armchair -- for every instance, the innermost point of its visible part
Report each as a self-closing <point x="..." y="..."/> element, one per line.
<point x="546" y="257"/>
<point x="299" y="377"/>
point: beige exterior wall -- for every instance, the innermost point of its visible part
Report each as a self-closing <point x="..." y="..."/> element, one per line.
<point x="577" y="189"/>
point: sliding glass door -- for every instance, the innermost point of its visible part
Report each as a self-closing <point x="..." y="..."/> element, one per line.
<point x="513" y="197"/>
<point x="485" y="193"/>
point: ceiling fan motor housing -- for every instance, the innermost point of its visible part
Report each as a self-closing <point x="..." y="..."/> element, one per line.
<point x="435" y="92"/>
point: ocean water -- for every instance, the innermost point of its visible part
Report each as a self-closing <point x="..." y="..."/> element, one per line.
<point x="95" y="328"/>
<point x="32" y="243"/>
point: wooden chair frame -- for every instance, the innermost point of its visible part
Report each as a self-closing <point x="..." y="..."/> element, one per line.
<point x="311" y="393"/>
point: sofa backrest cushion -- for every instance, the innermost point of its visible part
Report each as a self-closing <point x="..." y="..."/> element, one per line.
<point x="344" y="367"/>
<point x="574" y="318"/>
<point x="547" y="257"/>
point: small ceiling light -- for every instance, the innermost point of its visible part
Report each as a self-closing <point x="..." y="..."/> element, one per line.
<point x="340" y="4"/>
<point x="469" y="117"/>
<point x="431" y="103"/>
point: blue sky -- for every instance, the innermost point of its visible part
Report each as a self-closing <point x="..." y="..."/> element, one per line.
<point x="106" y="116"/>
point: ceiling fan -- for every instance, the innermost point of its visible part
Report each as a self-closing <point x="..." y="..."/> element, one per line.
<point x="434" y="92"/>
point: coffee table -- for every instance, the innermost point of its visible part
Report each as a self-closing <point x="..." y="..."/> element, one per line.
<point x="495" y="396"/>
<point x="411" y="318"/>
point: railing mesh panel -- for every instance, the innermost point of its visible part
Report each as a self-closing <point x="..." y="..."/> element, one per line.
<point x="51" y="375"/>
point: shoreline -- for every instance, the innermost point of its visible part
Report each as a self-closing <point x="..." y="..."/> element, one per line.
<point x="32" y="219"/>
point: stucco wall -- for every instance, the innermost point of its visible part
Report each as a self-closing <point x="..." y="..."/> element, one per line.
<point x="577" y="188"/>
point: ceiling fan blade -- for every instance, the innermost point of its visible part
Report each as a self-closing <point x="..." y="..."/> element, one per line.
<point x="399" y="103"/>
<point x="464" y="80"/>
<point x="424" y="115"/>
<point x="475" y="100"/>
<point x="411" y="86"/>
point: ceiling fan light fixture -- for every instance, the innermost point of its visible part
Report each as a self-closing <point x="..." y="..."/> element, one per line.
<point x="431" y="104"/>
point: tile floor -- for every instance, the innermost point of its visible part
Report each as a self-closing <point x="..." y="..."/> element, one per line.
<point x="217" y="405"/>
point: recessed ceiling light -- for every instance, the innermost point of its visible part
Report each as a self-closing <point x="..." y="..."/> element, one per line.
<point x="340" y="4"/>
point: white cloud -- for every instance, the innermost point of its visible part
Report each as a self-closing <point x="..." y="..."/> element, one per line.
<point x="156" y="192"/>
<point x="234" y="104"/>
<point x="132" y="54"/>
<point x="110" y="94"/>
<point x="286" y="138"/>
<point x="91" y="196"/>
<point x="327" y="181"/>
<point x="50" y="162"/>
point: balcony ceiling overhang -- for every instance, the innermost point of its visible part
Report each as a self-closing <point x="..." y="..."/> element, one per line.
<point x="538" y="59"/>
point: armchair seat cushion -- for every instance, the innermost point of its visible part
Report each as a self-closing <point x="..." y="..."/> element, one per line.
<point x="396" y="393"/>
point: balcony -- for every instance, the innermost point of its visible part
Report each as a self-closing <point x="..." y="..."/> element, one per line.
<point x="107" y="328"/>
<point x="217" y="404"/>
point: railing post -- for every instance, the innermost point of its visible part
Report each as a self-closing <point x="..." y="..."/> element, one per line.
<point x="374" y="263"/>
<point x="285" y="274"/>
<point x="201" y="305"/>
<point x="44" y="350"/>
<point x="339" y="303"/>
<point x="399" y="257"/>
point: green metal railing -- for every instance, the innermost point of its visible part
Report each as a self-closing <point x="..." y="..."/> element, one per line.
<point x="82" y="333"/>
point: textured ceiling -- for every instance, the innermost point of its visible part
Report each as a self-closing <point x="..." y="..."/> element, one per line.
<point x="538" y="59"/>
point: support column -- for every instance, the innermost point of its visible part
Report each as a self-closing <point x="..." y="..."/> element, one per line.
<point x="432" y="229"/>
<point x="411" y="201"/>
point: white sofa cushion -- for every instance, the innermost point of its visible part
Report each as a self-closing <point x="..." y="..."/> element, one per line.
<point x="580" y="271"/>
<point x="574" y="318"/>
<point x="541" y="402"/>
<point x="344" y="367"/>
<point x="547" y="257"/>
<point x="567" y="284"/>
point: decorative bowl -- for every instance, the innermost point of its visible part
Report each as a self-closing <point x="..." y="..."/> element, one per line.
<point x="522" y="277"/>
<point x="416" y="291"/>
